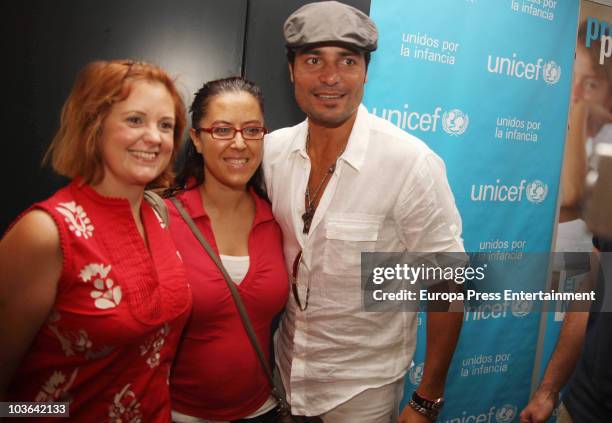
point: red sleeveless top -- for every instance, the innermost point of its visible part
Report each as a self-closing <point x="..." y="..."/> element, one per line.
<point x="109" y="341"/>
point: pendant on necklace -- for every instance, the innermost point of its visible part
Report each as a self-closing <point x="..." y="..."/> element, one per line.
<point x="307" y="218"/>
<point x="310" y="202"/>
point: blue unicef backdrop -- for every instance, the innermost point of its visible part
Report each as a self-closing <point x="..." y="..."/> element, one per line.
<point x="486" y="85"/>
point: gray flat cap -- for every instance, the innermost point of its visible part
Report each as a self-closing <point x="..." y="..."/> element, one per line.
<point x="330" y="21"/>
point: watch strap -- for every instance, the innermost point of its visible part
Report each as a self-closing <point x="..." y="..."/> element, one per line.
<point x="428" y="408"/>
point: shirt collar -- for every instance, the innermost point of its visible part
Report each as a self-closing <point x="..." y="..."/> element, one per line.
<point x="299" y="141"/>
<point x="263" y="210"/>
<point x="192" y="201"/>
<point x="356" y="147"/>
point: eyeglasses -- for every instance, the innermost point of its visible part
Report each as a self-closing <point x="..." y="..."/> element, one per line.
<point x="297" y="263"/>
<point x="228" y="133"/>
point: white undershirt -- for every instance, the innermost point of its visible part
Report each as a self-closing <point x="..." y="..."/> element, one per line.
<point x="237" y="267"/>
<point x="184" y="418"/>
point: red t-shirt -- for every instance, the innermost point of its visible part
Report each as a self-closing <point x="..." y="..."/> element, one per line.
<point x="109" y="341"/>
<point x="216" y="374"/>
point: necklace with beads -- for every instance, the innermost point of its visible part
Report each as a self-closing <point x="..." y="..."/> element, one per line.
<point x="311" y="198"/>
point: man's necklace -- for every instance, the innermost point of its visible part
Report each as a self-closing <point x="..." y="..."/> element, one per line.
<point x="311" y="199"/>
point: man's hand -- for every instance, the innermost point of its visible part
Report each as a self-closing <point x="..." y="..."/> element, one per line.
<point x="409" y="415"/>
<point x="540" y="407"/>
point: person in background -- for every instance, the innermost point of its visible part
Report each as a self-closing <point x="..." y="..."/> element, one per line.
<point x="590" y="115"/>
<point x="585" y="341"/>
<point x="93" y="295"/>
<point x="344" y="182"/>
<point x="217" y="376"/>
<point x="580" y="361"/>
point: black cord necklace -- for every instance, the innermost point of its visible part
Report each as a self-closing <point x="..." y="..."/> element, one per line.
<point x="312" y="199"/>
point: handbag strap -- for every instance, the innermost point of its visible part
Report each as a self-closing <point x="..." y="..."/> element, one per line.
<point x="158" y="205"/>
<point x="282" y="402"/>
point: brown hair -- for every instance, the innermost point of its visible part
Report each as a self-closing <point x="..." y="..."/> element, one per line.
<point x="75" y="149"/>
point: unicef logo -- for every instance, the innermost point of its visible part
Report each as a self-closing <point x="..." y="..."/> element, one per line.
<point x="455" y="122"/>
<point x="552" y="72"/>
<point x="416" y="373"/>
<point x="521" y="308"/>
<point x="506" y="413"/>
<point x="537" y="191"/>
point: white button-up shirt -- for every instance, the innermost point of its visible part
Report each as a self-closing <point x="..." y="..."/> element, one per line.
<point x="388" y="193"/>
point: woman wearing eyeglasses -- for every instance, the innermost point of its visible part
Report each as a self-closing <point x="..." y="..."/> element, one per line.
<point x="217" y="376"/>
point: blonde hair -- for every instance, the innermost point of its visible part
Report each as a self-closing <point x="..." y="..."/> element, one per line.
<point x="75" y="150"/>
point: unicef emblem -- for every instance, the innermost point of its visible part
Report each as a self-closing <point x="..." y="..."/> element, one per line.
<point x="521" y="308"/>
<point x="552" y="72"/>
<point x="506" y="413"/>
<point x="455" y="122"/>
<point x="416" y="373"/>
<point x="537" y="191"/>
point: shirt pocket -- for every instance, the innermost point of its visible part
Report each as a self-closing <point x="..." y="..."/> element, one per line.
<point x="346" y="237"/>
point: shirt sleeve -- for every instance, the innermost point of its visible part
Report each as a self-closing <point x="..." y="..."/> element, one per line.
<point x="266" y="168"/>
<point x="425" y="209"/>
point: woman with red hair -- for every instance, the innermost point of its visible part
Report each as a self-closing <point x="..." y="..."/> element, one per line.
<point x="93" y="295"/>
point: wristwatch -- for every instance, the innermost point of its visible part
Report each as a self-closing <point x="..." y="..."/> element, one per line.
<point x="426" y="407"/>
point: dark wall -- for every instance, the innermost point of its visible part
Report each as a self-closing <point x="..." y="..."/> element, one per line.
<point x="265" y="61"/>
<point x="49" y="41"/>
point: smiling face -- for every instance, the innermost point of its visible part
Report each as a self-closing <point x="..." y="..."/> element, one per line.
<point x="137" y="138"/>
<point x="230" y="163"/>
<point x="328" y="83"/>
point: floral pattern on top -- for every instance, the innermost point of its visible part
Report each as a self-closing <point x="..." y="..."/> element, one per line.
<point x="125" y="407"/>
<point x="56" y="387"/>
<point x="72" y="342"/>
<point x="77" y="219"/>
<point x="88" y="351"/>
<point x="105" y="293"/>
<point x="153" y="346"/>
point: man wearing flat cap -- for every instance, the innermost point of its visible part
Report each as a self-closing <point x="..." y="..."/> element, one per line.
<point x="344" y="182"/>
